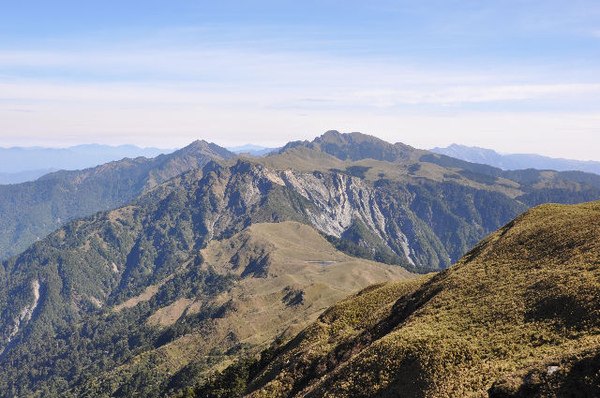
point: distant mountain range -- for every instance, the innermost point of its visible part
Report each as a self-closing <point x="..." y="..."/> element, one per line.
<point x="19" y="164"/>
<point x="516" y="161"/>
<point x="420" y="182"/>
<point x="251" y="149"/>
<point x="145" y="276"/>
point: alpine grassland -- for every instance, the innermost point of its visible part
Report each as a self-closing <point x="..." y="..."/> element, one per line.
<point x="517" y="316"/>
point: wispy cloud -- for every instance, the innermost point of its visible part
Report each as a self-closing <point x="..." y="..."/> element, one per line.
<point x="219" y="66"/>
<point x="476" y="94"/>
<point x="22" y="110"/>
<point x="356" y="95"/>
<point x="188" y="76"/>
<point x="184" y="83"/>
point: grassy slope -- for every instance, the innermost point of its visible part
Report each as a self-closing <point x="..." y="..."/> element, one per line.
<point x="395" y="162"/>
<point x="277" y="297"/>
<point x="178" y="218"/>
<point x="309" y="159"/>
<point x="526" y="298"/>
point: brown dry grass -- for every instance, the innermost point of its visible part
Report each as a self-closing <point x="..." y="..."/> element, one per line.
<point x="528" y="294"/>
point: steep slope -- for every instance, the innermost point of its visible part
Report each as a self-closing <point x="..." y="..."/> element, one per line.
<point x="420" y="217"/>
<point x="438" y="207"/>
<point x="517" y="315"/>
<point x="433" y="208"/>
<point x="56" y="296"/>
<point x="117" y="302"/>
<point x="29" y="211"/>
<point x="286" y="274"/>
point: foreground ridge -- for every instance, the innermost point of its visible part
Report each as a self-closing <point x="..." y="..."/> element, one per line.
<point x="517" y="316"/>
<point x="195" y="273"/>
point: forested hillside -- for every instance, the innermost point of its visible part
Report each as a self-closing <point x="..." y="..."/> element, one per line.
<point x="215" y="263"/>
<point x="93" y="295"/>
<point x="31" y="210"/>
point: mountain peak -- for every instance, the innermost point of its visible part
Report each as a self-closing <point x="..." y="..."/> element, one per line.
<point x="334" y="136"/>
<point x="207" y="148"/>
<point x="356" y="146"/>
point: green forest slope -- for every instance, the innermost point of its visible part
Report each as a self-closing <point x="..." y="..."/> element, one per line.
<point x="29" y="211"/>
<point x="102" y="291"/>
<point x="117" y="300"/>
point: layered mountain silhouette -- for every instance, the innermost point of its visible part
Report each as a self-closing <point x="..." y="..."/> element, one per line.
<point x="254" y="150"/>
<point x="207" y="258"/>
<point x="31" y="210"/>
<point x="516" y="161"/>
<point x="16" y="159"/>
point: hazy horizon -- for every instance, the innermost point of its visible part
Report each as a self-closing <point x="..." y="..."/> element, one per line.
<point x="516" y="77"/>
<point x="256" y="146"/>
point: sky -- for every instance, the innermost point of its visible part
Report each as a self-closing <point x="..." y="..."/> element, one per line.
<point x="516" y="76"/>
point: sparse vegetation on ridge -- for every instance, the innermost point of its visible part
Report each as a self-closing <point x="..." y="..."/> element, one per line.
<point x="216" y="262"/>
<point x="517" y="316"/>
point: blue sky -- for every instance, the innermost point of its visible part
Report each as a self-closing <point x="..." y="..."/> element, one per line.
<point x="516" y="76"/>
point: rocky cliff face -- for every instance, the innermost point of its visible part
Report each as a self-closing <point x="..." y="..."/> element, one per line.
<point x="112" y="256"/>
<point x="408" y="220"/>
<point x="342" y="206"/>
<point x="370" y="199"/>
<point x="158" y="243"/>
<point x="417" y="222"/>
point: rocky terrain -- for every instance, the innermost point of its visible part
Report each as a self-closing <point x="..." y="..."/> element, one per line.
<point x="217" y="262"/>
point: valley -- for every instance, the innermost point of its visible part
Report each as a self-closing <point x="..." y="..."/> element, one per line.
<point x="180" y="266"/>
<point x="236" y="199"/>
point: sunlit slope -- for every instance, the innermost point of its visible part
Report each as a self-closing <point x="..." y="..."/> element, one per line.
<point x="442" y="206"/>
<point x="149" y="288"/>
<point x="519" y="312"/>
<point x="287" y="275"/>
<point x="295" y="271"/>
